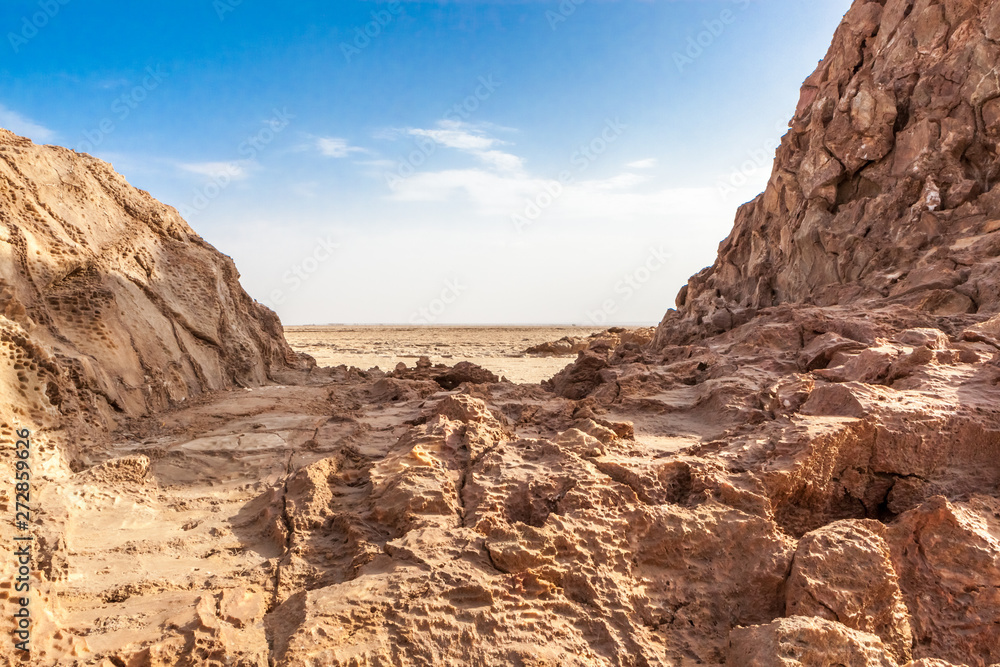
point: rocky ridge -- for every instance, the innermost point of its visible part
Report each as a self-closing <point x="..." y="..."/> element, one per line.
<point x="884" y="189"/>
<point x="723" y="502"/>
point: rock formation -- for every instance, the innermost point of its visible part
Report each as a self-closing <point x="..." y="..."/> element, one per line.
<point x="846" y="341"/>
<point x="613" y="337"/>
<point x="112" y="306"/>
<point x="801" y="468"/>
<point x="884" y="189"/>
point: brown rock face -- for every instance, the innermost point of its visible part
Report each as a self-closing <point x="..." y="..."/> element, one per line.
<point x="872" y="262"/>
<point x="112" y="307"/>
<point x="948" y="559"/>
<point x="805" y="642"/>
<point x="884" y="187"/>
<point x="843" y="572"/>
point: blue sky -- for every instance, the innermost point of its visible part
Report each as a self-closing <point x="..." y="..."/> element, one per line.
<point x="430" y="162"/>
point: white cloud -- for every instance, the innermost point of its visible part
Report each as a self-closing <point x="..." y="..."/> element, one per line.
<point x="488" y="192"/>
<point x="613" y="198"/>
<point x="454" y="134"/>
<point x="233" y="170"/>
<point x="621" y="182"/>
<point x="18" y="124"/>
<point x="336" y="147"/>
<point x="501" y="161"/>
<point x="502" y="188"/>
<point x="648" y="163"/>
<point x="442" y="185"/>
<point x="675" y="204"/>
<point x="470" y="139"/>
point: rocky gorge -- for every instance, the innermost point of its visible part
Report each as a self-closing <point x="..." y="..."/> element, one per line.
<point x="799" y="466"/>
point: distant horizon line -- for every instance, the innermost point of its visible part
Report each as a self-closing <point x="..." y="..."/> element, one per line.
<point x="508" y="325"/>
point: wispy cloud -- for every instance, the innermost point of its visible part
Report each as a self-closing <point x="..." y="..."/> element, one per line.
<point x="502" y="186"/>
<point x="624" y="181"/>
<point x="500" y="183"/>
<point x="456" y="134"/>
<point x="617" y="197"/>
<point x="473" y="140"/>
<point x="502" y="161"/>
<point x="18" y="124"/>
<point x="336" y="147"/>
<point x="489" y="192"/>
<point x="648" y="163"/>
<point x="236" y="171"/>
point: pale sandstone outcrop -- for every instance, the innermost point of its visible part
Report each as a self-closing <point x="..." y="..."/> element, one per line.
<point x="110" y="305"/>
<point x="111" y="308"/>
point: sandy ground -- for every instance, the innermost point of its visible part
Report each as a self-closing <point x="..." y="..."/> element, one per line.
<point x="178" y="531"/>
<point x="500" y="349"/>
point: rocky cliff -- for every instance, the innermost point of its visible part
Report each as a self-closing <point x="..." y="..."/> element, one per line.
<point x="885" y="189"/>
<point x="110" y="305"/>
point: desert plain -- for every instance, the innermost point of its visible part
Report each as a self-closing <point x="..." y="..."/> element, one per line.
<point x="500" y="349"/>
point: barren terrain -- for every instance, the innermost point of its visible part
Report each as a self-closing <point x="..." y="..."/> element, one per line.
<point x="499" y="349"/>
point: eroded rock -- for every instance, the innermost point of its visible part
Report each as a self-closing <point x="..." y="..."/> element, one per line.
<point x="806" y="641"/>
<point x="948" y="559"/>
<point x="843" y="572"/>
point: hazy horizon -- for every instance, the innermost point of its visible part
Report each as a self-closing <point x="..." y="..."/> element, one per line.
<point x="471" y="163"/>
<point x="463" y="325"/>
